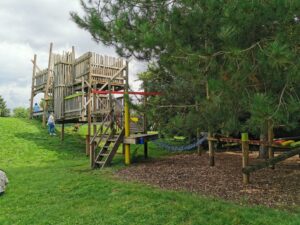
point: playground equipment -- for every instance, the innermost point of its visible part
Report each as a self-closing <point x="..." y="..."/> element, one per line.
<point x="247" y="168"/>
<point x="90" y="89"/>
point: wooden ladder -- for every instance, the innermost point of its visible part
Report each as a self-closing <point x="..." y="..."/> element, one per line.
<point x="109" y="149"/>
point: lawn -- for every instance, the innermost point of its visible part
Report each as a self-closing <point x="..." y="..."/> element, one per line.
<point x="51" y="183"/>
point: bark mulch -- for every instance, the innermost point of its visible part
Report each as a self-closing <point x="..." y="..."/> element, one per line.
<point x="191" y="172"/>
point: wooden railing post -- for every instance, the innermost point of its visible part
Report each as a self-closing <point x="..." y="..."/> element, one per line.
<point x="211" y="150"/>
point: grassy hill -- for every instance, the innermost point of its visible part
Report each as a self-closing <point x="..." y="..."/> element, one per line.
<point x="51" y="183"/>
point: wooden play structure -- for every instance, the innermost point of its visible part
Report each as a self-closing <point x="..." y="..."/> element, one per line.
<point x="90" y="89"/>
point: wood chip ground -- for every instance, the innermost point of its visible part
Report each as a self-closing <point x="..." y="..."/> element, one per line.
<point x="191" y="172"/>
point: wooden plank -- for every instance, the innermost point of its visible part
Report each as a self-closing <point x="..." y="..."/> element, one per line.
<point x="47" y="86"/>
<point x="134" y="138"/>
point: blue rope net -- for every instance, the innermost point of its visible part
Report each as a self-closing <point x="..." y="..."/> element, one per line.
<point x="173" y="148"/>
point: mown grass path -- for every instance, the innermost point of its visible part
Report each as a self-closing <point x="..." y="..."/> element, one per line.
<point x="51" y="183"/>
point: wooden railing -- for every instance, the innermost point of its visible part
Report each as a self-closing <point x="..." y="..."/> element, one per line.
<point x="41" y="78"/>
<point x="74" y="106"/>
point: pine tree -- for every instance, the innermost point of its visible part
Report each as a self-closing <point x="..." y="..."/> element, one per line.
<point x="4" y="111"/>
<point x="245" y="53"/>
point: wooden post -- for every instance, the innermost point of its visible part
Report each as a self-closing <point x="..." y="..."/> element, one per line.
<point x="87" y="145"/>
<point x="47" y="87"/>
<point x="199" y="150"/>
<point x="111" y="110"/>
<point x="211" y="150"/>
<point x="94" y="109"/>
<point x="73" y="65"/>
<point x="82" y="99"/>
<point x="270" y="142"/>
<point x="32" y="87"/>
<point x="90" y="146"/>
<point x="245" y="160"/>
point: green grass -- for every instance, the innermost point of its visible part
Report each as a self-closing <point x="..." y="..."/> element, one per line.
<point x="51" y="183"/>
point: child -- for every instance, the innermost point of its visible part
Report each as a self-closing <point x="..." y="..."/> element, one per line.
<point x="36" y="108"/>
<point x="51" y="124"/>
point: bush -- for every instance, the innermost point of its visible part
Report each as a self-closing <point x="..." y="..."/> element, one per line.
<point x="21" y="112"/>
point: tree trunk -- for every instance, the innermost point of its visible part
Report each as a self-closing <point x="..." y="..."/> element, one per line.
<point x="262" y="148"/>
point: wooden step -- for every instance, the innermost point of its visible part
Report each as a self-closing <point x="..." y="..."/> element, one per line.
<point x="112" y="139"/>
<point x="100" y="162"/>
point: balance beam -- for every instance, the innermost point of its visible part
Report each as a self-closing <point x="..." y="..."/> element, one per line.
<point x="270" y="162"/>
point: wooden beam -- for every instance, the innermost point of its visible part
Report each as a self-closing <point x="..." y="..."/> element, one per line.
<point x="91" y="147"/>
<point x="37" y="67"/>
<point x="94" y="109"/>
<point x="47" y="86"/>
<point x="114" y="76"/>
<point x="32" y="87"/>
<point x="270" y="162"/>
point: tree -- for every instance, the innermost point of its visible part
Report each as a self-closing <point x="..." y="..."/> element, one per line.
<point x="21" y="112"/>
<point x="237" y="61"/>
<point x="4" y="111"/>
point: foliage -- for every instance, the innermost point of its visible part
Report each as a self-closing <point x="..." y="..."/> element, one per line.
<point x="42" y="103"/>
<point x="21" y="112"/>
<point x="244" y="53"/>
<point x="56" y="186"/>
<point x="4" y="111"/>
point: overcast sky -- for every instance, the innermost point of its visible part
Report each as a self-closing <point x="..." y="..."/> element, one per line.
<point x="26" y="28"/>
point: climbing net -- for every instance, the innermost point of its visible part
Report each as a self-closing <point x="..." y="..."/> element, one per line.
<point x="174" y="148"/>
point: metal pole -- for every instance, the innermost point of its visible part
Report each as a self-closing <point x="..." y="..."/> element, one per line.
<point x="127" y="117"/>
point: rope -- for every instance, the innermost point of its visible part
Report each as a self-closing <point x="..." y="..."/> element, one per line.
<point x="173" y="148"/>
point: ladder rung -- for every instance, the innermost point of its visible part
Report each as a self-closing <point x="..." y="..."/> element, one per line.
<point x="104" y="154"/>
<point x="100" y="162"/>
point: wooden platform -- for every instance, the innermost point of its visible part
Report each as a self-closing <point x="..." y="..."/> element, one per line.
<point x="139" y="138"/>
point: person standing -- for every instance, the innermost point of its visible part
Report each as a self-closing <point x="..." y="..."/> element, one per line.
<point x="51" y="124"/>
<point x="36" y="108"/>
